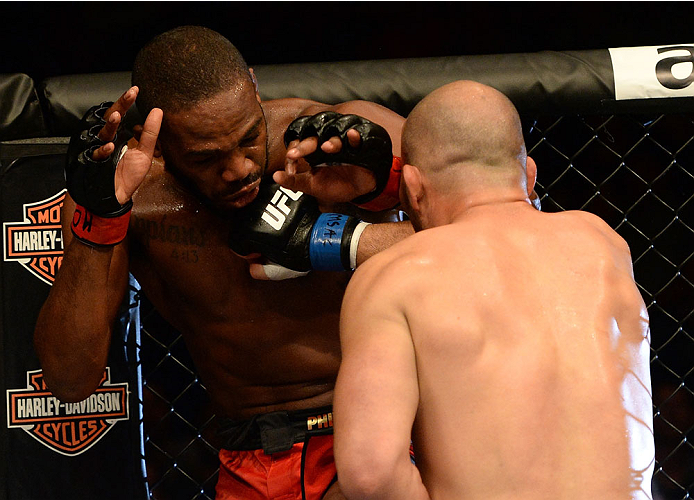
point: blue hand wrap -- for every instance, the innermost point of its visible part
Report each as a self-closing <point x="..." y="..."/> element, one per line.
<point x="325" y="246"/>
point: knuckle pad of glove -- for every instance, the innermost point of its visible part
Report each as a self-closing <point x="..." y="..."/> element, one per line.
<point x="375" y="151"/>
<point x="89" y="126"/>
<point x="316" y="123"/>
<point x="376" y="143"/>
<point x="95" y="114"/>
<point x="308" y="126"/>
<point x="339" y="126"/>
<point x="89" y="182"/>
<point x="293" y="132"/>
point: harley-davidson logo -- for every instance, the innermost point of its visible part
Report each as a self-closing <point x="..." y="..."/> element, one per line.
<point x="67" y="428"/>
<point x="37" y="242"/>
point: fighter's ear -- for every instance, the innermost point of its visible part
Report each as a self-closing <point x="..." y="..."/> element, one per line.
<point x="157" y="149"/>
<point x="255" y="83"/>
<point x="531" y="174"/>
<point x="411" y="189"/>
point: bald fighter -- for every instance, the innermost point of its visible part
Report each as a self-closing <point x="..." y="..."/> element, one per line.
<point x="177" y="209"/>
<point x="511" y="344"/>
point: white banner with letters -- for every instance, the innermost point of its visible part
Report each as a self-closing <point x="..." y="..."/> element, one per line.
<point x="659" y="71"/>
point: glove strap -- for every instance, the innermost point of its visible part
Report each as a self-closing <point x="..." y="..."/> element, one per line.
<point x="334" y="241"/>
<point x="97" y="231"/>
<point x="390" y="196"/>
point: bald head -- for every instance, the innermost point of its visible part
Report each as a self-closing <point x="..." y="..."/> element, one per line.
<point x="464" y="123"/>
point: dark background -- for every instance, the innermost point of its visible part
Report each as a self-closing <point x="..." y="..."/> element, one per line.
<point x="57" y="38"/>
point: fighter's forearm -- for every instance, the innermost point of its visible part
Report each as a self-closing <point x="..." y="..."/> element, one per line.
<point x="72" y="330"/>
<point x="378" y="237"/>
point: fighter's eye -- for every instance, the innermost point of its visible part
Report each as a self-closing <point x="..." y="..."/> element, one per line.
<point x="248" y="141"/>
<point x="203" y="160"/>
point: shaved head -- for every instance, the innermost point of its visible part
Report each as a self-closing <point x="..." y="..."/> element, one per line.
<point x="463" y="123"/>
<point x="184" y="66"/>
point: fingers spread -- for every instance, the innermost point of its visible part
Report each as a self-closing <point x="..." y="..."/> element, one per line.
<point x="122" y="105"/>
<point x="332" y="145"/>
<point x="103" y="152"/>
<point x="116" y="112"/>
<point x="108" y="132"/>
<point x="305" y="147"/>
<point x="354" y="138"/>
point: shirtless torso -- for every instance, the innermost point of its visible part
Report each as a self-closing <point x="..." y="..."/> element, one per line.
<point x="259" y="345"/>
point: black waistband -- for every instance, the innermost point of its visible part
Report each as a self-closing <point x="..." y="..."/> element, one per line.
<point x="276" y="431"/>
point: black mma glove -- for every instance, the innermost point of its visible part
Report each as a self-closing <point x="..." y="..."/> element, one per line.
<point x="99" y="219"/>
<point x="288" y="228"/>
<point x="375" y="151"/>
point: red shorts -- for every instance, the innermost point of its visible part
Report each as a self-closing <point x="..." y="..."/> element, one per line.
<point x="255" y="475"/>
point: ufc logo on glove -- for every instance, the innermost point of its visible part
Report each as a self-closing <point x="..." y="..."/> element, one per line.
<point x="277" y="210"/>
<point x="302" y="237"/>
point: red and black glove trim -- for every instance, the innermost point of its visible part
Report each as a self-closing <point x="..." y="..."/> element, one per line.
<point x="390" y="196"/>
<point x="97" y="231"/>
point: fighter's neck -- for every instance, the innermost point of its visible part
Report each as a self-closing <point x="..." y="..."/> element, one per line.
<point x="450" y="209"/>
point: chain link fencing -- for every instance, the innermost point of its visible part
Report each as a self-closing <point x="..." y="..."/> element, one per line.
<point x="634" y="171"/>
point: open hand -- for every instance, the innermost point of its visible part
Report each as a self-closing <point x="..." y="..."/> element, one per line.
<point x="135" y="162"/>
<point x="328" y="183"/>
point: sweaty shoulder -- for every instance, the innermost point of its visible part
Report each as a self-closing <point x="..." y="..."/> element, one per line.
<point x="398" y="267"/>
<point x="158" y="191"/>
<point x="601" y="228"/>
<point x="281" y="110"/>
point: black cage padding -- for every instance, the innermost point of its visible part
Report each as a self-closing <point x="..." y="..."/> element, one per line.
<point x="30" y="469"/>
<point x="20" y="110"/>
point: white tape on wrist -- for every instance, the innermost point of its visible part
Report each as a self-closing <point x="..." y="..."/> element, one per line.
<point x="354" y="244"/>
<point x="275" y="272"/>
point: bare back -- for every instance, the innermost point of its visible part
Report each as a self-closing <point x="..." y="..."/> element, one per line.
<point x="532" y="352"/>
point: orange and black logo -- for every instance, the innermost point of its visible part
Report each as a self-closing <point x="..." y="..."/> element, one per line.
<point x="37" y="242"/>
<point x="67" y="428"/>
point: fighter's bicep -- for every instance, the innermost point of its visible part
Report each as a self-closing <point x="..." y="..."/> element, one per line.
<point x="375" y="401"/>
<point x="378" y="375"/>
